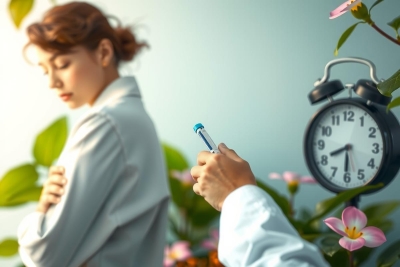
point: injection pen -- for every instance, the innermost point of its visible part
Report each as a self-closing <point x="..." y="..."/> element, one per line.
<point x="200" y="131"/>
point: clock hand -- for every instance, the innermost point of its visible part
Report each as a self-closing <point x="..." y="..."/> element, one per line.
<point x="351" y="160"/>
<point x="337" y="151"/>
<point x="346" y="162"/>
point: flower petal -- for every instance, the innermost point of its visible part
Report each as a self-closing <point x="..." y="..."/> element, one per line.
<point x="307" y="180"/>
<point x="374" y="237"/>
<point x="350" y="6"/>
<point x="275" y="175"/>
<point x="168" y="262"/>
<point x="351" y="244"/>
<point x="343" y="8"/>
<point x="181" y="250"/>
<point x="353" y="217"/>
<point x="290" y="176"/>
<point x="336" y="225"/>
<point x="338" y="11"/>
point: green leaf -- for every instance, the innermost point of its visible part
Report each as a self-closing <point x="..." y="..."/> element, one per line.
<point x="50" y="142"/>
<point x="385" y="225"/>
<point x="8" y="247"/>
<point x="389" y="256"/>
<point x="329" y="244"/>
<point x="395" y="24"/>
<point x="340" y="258"/>
<point x="174" y="159"/>
<point x="18" y="186"/>
<point x="362" y="13"/>
<point x="394" y="103"/>
<point x="177" y="191"/>
<point x="328" y="205"/>
<point x="202" y="214"/>
<point x="361" y="255"/>
<point x="374" y="4"/>
<point x="378" y="212"/>
<point x="388" y="86"/>
<point x="19" y="9"/>
<point x="280" y="200"/>
<point x="344" y="37"/>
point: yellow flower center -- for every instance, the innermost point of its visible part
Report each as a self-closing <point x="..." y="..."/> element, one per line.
<point x="173" y="255"/>
<point x="354" y="8"/>
<point x="293" y="183"/>
<point x="353" y="233"/>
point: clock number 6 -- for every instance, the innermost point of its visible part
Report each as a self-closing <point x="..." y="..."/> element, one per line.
<point x="347" y="177"/>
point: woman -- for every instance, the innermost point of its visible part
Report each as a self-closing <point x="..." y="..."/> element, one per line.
<point x="105" y="204"/>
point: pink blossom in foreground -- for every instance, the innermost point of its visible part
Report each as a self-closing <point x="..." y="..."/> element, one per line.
<point x="343" y="8"/>
<point x="292" y="178"/>
<point x="212" y="243"/>
<point x="352" y="228"/>
<point x="183" y="176"/>
<point x="178" y="251"/>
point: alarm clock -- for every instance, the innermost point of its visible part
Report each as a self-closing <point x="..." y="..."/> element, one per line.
<point x="351" y="142"/>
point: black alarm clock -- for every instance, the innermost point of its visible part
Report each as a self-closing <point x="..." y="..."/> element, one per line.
<point x="351" y="142"/>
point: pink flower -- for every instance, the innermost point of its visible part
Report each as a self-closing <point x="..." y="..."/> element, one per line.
<point x="352" y="228"/>
<point x="343" y="8"/>
<point x="292" y="178"/>
<point x="179" y="251"/>
<point x="211" y="243"/>
<point x="183" y="176"/>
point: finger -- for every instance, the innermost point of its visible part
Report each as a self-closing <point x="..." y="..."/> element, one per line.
<point x="196" y="189"/>
<point x="230" y="153"/>
<point x="202" y="157"/>
<point x="57" y="179"/>
<point x="195" y="172"/>
<point x="55" y="190"/>
<point x="49" y="198"/>
<point x="56" y="170"/>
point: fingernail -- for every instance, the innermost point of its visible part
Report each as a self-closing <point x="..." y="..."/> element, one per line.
<point x="223" y="145"/>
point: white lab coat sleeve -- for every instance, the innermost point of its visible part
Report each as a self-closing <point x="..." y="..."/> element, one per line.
<point x="94" y="162"/>
<point x="254" y="233"/>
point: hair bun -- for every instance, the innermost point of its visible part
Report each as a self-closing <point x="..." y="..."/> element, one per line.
<point x="129" y="47"/>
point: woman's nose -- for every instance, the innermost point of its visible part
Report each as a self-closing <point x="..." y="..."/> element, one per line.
<point x="54" y="82"/>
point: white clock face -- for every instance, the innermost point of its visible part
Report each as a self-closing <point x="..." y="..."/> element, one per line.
<point x="348" y="146"/>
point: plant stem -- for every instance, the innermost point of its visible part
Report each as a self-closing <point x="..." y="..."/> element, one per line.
<point x="291" y="202"/>
<point x="373" y="25"/>
<point x="351" y="259"/>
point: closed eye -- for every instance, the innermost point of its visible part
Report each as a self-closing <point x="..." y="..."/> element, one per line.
<point x="64" y="66"/>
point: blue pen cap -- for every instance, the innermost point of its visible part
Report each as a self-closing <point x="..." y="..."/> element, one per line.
<point x="197" y="126"/>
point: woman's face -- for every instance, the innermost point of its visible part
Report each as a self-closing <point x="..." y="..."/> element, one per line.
<point x="77" y="77"/>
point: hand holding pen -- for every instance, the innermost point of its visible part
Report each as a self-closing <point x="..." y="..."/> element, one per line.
<point x="219" y="173"/>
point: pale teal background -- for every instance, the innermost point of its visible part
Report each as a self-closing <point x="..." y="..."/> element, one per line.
<point x="242" y="68"/>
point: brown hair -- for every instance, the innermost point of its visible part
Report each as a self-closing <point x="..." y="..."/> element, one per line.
<point x="79" y="23"/>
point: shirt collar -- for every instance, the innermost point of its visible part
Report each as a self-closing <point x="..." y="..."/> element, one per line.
<point x="118" y="88"/>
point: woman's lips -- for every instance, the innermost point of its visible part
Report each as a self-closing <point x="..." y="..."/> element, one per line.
<point x="65" y="97"/>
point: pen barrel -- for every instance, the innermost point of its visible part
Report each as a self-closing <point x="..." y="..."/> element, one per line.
<point x="207" y="140"/>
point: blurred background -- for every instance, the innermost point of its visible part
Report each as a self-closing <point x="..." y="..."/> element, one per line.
<point x="242" y="68"/>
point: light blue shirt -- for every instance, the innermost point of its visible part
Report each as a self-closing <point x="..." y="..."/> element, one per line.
<point x="255" y="233"/>
<point x="114" y="209"/>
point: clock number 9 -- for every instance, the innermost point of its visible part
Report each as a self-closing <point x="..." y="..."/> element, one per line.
<point x="321" y="144"/>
